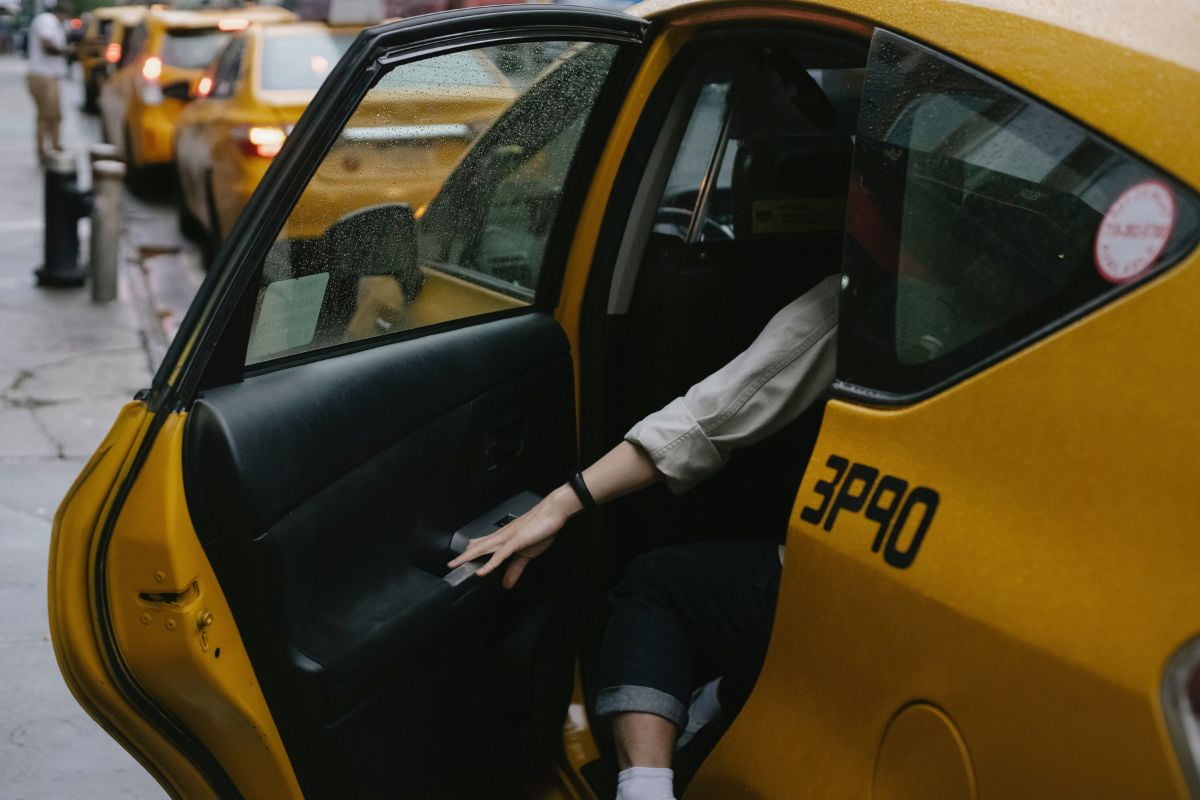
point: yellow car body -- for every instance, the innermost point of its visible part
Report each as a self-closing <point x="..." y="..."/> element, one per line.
<point x="105" y="26"/>
<point x="1018" y="619"/>
<point x="219" y="166"/>
<point x="167" y="47"/>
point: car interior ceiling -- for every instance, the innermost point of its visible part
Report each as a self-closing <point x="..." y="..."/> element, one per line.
<point x="712" y="272"/>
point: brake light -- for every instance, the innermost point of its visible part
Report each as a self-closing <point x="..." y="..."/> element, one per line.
<point x="112" y="53"/>
<point x="233" y="24"/>
<point x="149" y="88"/>
<point x="204" y="86"/>
<point x="1181" y="707"/>
<point x="260" y="140"/>
<point x="152" y="68"/>
<point x="76" y="23"/>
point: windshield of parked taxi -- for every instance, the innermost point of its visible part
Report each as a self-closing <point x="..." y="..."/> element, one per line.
<point x="192" y="49"/>
<point x="293" y="62"/>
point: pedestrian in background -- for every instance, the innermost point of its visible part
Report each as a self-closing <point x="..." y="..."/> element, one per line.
<point x="47" y="68"/>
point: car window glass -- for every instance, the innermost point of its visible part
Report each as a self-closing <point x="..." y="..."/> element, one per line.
<point x="694" y="158"/>
<point x="191" y="49"/>
<point x="350" y="263"/>
<point x="979" y="217"/>
<point x="300" y="61"/>
<point x="765" y="153"/>
<point x="467" y="68"/>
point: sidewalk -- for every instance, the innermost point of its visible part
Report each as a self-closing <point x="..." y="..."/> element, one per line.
<point x="66" y="367"/>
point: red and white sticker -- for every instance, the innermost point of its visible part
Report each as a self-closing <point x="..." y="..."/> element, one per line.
<point x="1134" y="231"/>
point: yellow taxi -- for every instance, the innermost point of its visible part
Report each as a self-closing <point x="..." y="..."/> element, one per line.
<point x="101" y="45"/>
<point x="989" y="587"/>
<point x="157" y="60"/>
<point x="251" y="96"/>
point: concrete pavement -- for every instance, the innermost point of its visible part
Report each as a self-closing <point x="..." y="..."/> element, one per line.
<point x="66" y="367"/>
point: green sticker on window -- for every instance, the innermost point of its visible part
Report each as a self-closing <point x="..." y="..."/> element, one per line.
<point x="288" y="317"/>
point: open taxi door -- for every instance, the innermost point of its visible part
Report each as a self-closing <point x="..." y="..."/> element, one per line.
<point x="247" y="582"/>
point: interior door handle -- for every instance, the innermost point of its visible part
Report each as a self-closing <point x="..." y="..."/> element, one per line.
<point x="493" y="520"/>
<point x="496" y="455"/>
<point x="503" y="444"/>
<point x="490" y="521"/>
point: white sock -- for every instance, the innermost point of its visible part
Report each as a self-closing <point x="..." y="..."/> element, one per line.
<point x="646" y="783"/>
<point x="704" y="708"/>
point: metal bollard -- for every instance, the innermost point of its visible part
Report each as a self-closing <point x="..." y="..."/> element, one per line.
<point x="99" y="151"/>
<point x="65" y="203"/>
<point x="107" y="177"/>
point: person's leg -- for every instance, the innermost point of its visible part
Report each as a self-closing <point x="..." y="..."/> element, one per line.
<point x="39" y="120"/>
<point x="643" y="739"/>
<point x="680" y="616"/>
<point x="54" y="116"/>
<point x="644" y="743"/>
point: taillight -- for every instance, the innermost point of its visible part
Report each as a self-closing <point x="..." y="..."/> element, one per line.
<point x="149" y="88"/>
<point x="263" y="141"/>
<point x="1181" y="707"/>
<point x="112" y="53"/>
<point x="204" y="86"/>
<point x="152" y="68"/>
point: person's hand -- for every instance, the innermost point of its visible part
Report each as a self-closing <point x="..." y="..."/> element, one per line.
<point x="523" y="539"/>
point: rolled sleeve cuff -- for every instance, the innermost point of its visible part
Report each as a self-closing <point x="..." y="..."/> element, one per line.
<point x="620" y="699"/>
<point x="678" y="446"/>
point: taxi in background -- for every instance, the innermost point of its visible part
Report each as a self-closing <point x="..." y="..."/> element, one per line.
<point x="101" y="46"/>
<point x="244" y="104"/>
<point x="160" y="57"/>
<point x="990" y="585"/>
<point x="250" y="97"/>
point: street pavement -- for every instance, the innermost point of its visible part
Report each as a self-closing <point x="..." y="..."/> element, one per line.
<point x="66" y="367"/>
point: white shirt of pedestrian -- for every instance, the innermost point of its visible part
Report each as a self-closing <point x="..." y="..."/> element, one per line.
<point x="46" y="26"/>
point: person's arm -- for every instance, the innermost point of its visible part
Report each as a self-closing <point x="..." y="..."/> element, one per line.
<point x="772" y="382"/>
<point x="624" y="469"/>
<point x="789" y="365"/>
<point x="51" y="48"/>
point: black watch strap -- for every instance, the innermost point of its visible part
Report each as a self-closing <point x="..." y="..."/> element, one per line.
<point x="581" y="491"/>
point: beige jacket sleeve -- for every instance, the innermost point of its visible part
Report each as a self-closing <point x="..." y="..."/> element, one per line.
<point x="789" y="365"/>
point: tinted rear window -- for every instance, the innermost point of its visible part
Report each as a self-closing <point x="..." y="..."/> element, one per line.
<point x="191" y="49"/>
<point x="292" y="62"/>
<point x="980" y="219"/>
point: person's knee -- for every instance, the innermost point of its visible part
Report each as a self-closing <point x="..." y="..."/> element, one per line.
<point x="638" y="580"/>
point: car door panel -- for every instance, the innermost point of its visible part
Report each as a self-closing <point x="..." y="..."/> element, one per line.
<point x="186" y="663"/>
<point x="271" y="555"/>
<point x="327" y="495"/>
<point x="965" y="545"/>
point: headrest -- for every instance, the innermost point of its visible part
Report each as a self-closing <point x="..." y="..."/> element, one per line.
<point x="780" y="98"/>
